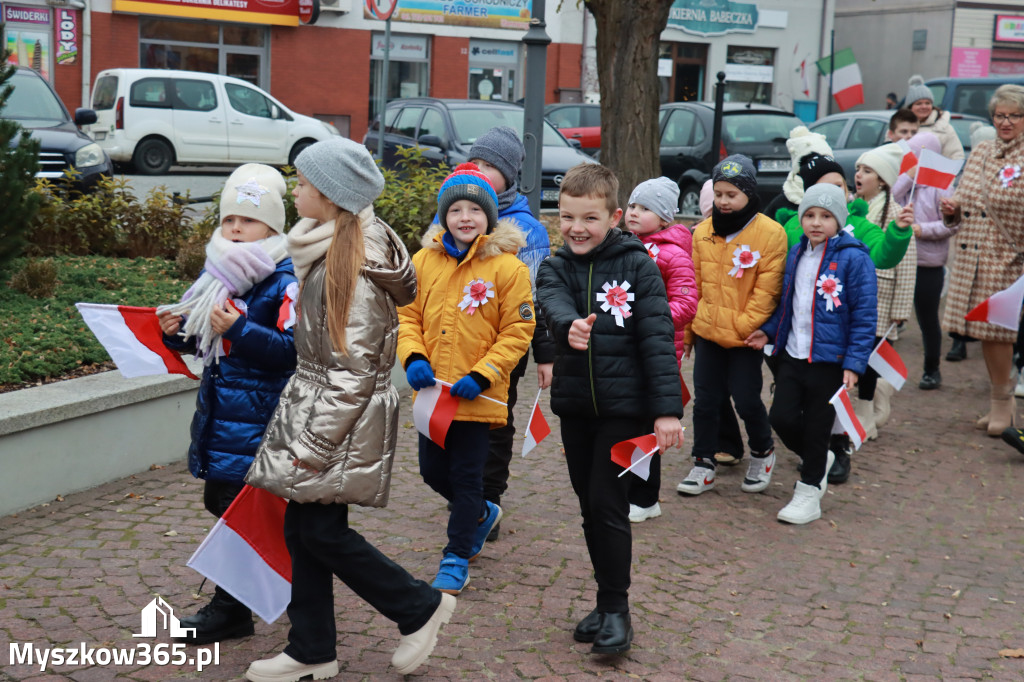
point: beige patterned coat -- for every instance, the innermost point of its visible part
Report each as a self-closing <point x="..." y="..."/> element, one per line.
<point x="986" y="258"/>
<point x="895" y="285"/>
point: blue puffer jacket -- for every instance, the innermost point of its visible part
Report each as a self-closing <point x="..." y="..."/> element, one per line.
<point x="844" y="335"/>
<point x="237" y="396"/>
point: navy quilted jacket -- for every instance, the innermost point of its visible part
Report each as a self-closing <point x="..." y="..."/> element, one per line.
<point x="844" y="335"/>
<point x="237" y="396"/>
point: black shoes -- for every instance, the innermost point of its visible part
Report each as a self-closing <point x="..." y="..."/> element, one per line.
<point x="1015" y="437"/>
<point x="841" y="447"/>
<point x="611" y="633"/>
<point x="930" y="380"/>
<point x="493" y="535"/>
<point x="958" y="351"/>
<point x="223" y="618"/>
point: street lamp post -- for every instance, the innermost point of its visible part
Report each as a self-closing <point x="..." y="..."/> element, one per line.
<point x="536" y="41"/>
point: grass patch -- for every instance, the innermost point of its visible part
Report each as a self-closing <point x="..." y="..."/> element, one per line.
<point x="45" y="339"/>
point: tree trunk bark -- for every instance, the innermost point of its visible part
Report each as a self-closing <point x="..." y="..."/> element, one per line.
<point x="628" y="35"/>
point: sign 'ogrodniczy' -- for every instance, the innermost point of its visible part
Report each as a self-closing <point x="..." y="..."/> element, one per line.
<point x="713" y="17"/>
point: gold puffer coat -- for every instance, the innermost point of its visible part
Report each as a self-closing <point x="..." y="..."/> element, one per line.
<point x="339" y="414"/>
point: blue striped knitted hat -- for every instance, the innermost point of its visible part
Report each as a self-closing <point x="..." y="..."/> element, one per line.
<point x="467" y="182"/>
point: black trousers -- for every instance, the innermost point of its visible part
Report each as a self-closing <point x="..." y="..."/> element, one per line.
<point x="868" y="380"/>
<point x="456" y="473"/>
<point x="719" y="373"/>
<point x="322" y="545"/>
<point x="801" y="413"/>
<point x="927" y="293"/>
<point x="499" y="454"/>
<point x="603" y="497"/>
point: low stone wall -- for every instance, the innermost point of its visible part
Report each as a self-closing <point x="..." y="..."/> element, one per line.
<point x="68" y="436"/>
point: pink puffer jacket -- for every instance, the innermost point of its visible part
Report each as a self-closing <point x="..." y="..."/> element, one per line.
<point x="672" y="250"/>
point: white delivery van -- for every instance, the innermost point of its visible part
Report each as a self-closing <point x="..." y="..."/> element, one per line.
<point x="153" y="118"/>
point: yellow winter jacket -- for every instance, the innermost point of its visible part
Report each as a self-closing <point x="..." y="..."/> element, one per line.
<point x="493" y="339"/>
<point x="730" y="308"/>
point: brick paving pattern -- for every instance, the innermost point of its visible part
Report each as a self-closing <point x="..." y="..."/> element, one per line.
<point x="913" y="573"/>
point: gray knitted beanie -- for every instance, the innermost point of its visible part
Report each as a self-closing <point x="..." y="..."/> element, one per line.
<point x="659" y="195"/>
<point x="917" y="90"/>
<point x="343" y="171"/>
<point x="502" y="148"/>
<point x="828" y="197"/>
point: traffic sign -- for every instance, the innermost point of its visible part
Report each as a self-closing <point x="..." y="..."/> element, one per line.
<point x="382" y="9"/>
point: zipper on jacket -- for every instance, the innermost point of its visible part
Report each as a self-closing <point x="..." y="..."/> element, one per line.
<point x="810" y="349"/>
<point x="590" y="345"/>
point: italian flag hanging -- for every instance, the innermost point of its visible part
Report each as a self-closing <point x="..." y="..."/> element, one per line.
<point x="847" y="87"/>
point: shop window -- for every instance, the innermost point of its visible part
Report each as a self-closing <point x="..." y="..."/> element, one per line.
<point x="247" y="101"/>
<point x="751" y="76"/>
<point x="183" y="31"/>
<point x="234" y="50"/>
<point x="250" y="36"/>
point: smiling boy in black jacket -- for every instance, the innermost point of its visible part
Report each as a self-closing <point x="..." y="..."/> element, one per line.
<point x="615" y="367"/>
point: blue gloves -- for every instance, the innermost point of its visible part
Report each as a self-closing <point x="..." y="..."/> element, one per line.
<point x="466" y="387"/>
<point x="420" y="375"/>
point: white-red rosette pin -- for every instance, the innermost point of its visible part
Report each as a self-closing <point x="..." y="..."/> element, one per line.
<point x="615" y="298"/>
<point x="829" y="287"/>
<point x="1008" y="174"/>
<point x="652" y="250"/>
<point x="743" y="258"/>
<point x="477" y="292"/>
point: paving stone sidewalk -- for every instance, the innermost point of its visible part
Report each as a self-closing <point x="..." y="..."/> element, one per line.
<point x="913" y="573"/>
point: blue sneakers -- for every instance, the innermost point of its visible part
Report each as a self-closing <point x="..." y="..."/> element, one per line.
<point x="452" y="574"/>
<point x="484" y="529"/>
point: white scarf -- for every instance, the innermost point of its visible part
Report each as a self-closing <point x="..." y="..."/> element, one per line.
<point x="309" y="240"/>
<point x="231" y="269"/>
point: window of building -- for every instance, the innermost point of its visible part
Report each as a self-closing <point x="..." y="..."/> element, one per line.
<point x="408" y="68"/>
<point x="238" y="50"/>
<point x="688" y="62"/>
<point x="749" y="74"/>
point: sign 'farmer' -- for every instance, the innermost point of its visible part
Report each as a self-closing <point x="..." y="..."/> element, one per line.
<point x="477" y="292"/>
<point x="615" y="298"/>
<point x="743" y="258"/>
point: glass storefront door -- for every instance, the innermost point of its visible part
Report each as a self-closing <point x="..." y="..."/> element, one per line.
<point x="492" y="83"/>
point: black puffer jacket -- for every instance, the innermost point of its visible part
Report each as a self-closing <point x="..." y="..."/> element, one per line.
<point x="628" y="370"/>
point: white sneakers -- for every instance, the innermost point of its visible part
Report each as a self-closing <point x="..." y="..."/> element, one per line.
<point x="640" y="514"/>
<point x="284" y="668"/>
<point x="414" y="648"/>
<point x="697" y="481"/>
<point x="804" y="507"/>
<point x="759" y="473"/>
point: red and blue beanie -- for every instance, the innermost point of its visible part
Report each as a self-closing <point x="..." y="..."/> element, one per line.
<point x="467" y="182"/>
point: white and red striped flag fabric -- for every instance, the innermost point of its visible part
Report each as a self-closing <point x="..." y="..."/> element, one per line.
<point x="888" y="363"/>
<point x="245" y="553"/>
<point x="537" y="429"/>
<point x="909" y="158"/>
<point x="132" y="337"/>
<point x="1001" y="308"/>
<point x="847" y="417"/>
<point x="935" y="170"/>
<point x="433" y="411"/>
<point x="635" y="454"/>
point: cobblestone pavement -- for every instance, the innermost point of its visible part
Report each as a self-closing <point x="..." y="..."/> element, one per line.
<point x="913" y="573"/>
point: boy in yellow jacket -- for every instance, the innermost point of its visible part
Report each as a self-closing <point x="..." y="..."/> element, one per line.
<point x="739" y="258"/>
<point x="471" y="322"/>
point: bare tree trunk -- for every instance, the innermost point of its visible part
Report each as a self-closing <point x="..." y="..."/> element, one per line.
<point x="628" y="34"/>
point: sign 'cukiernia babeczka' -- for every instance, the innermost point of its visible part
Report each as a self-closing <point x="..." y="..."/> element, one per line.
<point x="713" y="17"/>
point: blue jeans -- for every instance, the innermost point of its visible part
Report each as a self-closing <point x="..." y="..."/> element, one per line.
<point x="456" y="472"/>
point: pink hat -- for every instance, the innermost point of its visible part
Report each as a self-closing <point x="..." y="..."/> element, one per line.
<point x="707" y="198"/>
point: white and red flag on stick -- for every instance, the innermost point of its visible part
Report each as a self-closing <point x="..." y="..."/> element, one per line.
<point x="847" y="417"/>
<point x="935" y="170"/>
<point x="132" y="337"/>
<point x="433" y="411"/>
<point x="1001" y="308"/>
<point x="245" y="553"/>
<point x="888" y="363"/>
<point x="537" y="429"/>
<point x="635" y="455"/>
<point x="909" y="158"/>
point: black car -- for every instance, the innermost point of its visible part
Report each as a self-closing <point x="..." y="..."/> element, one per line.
<point x="447" y="128"/>
<point x="35" y="105"/>
<point x="756" y="130"/>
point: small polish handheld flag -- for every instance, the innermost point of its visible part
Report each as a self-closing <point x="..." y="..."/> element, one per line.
<point x="538" y="429"/>
<point x="887" y="362"/>
<point x="133" y="338"/>
<point x="245" y="553"/>
<point x="935" y="170"/>
<point x="847" y="417"/>
<point x="909" y="158"/>
<point x="847" y="87"/>
<point x="433" y="410"/>
<point x="686" y="391"/>
<point x="1001" y="308"/>
<point x="635" y="454"/>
